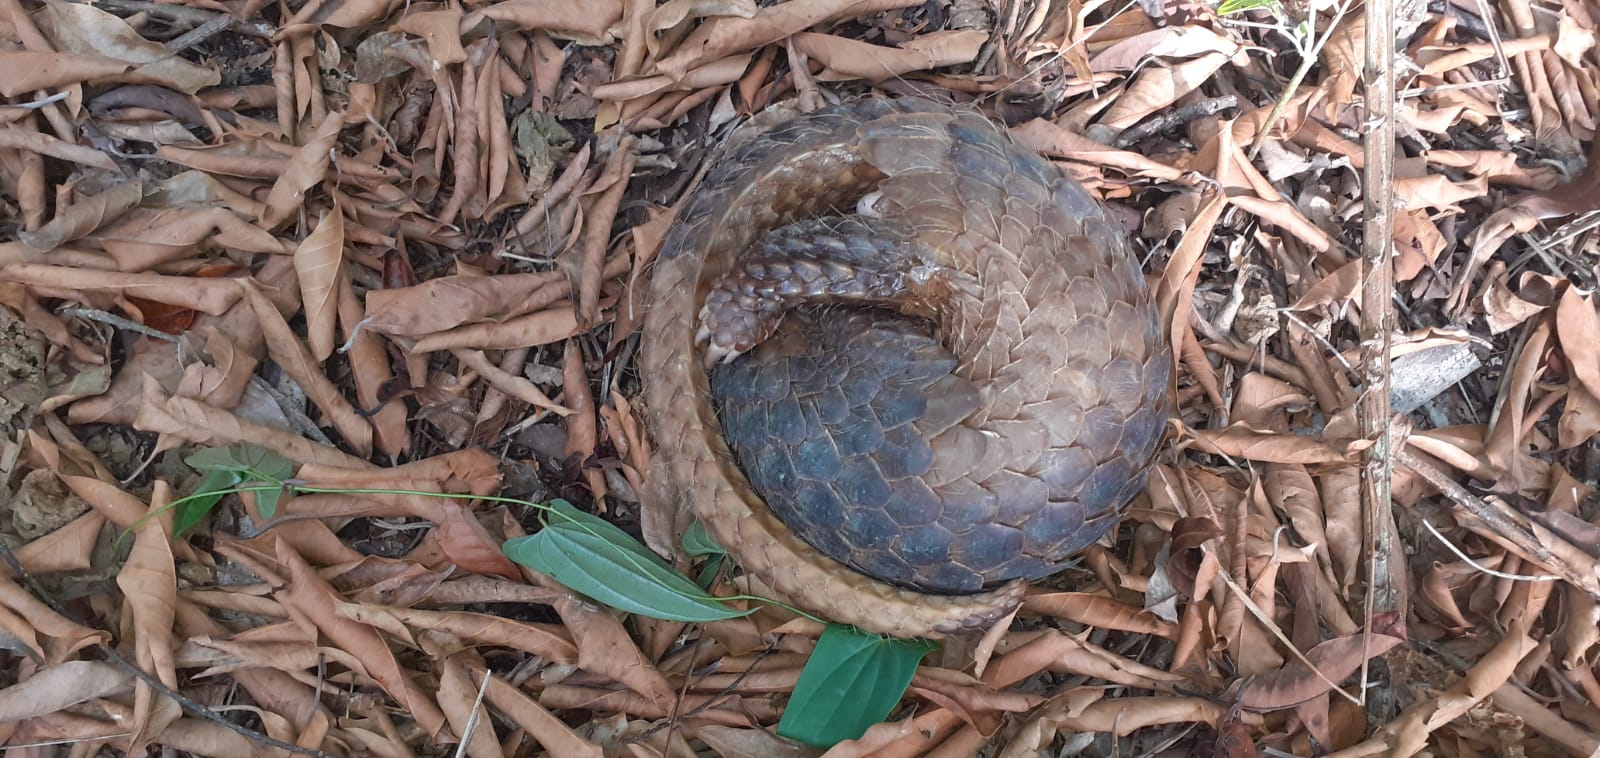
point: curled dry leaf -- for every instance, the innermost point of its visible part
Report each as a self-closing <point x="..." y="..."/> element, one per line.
<point x="312" y="596"/>
<point x="291" y="355"/>
<point x="1098" y="611"/>
<point x="148" y="581"/>
<point x="29" y="70"/>
<point x="303" y="170"/>
<point x="88" y="30"/>
<point x="81" y="218"/>
<point x="213" y="296"/>
<point x="589" y="22"/>
<point x="1297" y="683"/>
<point x="54" y="688"/>
<point x="846" y="59"/>
<point x="319" y="263"/>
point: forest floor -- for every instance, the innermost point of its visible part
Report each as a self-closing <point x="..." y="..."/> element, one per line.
<point x="276" y="275"/>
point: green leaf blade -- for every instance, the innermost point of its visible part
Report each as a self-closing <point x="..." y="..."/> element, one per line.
<point x="698" y="543"/>
<point x="852" y="681"/>
<point x="192" y="509"/>
<point x="616" y="574"/>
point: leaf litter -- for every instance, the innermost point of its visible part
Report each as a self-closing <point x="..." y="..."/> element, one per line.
<point x="310" y="309"/>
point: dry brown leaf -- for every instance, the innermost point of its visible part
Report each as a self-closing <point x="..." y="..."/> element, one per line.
<point x="18" y="138"/>
<point x="1295" y="683"/>
<point x="81" y="218"/>
<point x="1052" y="140"/>
<point x="547" y="641"/>
<point x="1503" y="443"/>
<point x="1341" y="286"/>
<point x="69" y="548"/>
<point x="291" y="355"/>
<point x="605" y="648"/>
<point x="910" y="736"/>
<point x="844" y="59"/>
<point x="733" y="742"/>
<point x="982" y="707"/>
<point x="370" y="367"/>
<point x="535" y="329"/>
<point x="1124" y="716"/>
<point x="729" y="710"/>
<point x="461" y="677"/>
<point x="87" y="30"/>
<point x="1438" y="60"/>
<point x="314" y="598"/>
<point x="319" y="262"/>
<point x="148" y="237"/>
<point x="1408" y="734"/>
<point x="714" y="74"/>
<point x="304" y="169"/>
<point x="450" y="301"/>
<point x="1098" y="611"/>
<point x="588" y="22"/>
<point x="1130" y="52"/>
<point x="54" y="688"/>
<point x="464" y="541"/>
<point x="1436" y="191"/>
<point x="1059" y="651"/>
<point x="1580" y="419"/>
<point x="552" y="734"/>
<point x="720" y="37"/>
<point x="149" y="585"/>
<point x="1038" y="733"/>
<point x="213" y="296"/>
<point x="1242" y="441"/>
<point x="1578" y="330"/>
<point x="225" y="656"/>
<point x="1158" y="87"/>
<point x="585" y="262"/>
<point x="194" y="421"/>
<point x="441" y="29"/>
<point x="116" y="504"/>
<point x="27" y="70"/>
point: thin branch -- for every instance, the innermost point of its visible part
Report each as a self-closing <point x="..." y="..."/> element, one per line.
<point x="1386" y="580"/>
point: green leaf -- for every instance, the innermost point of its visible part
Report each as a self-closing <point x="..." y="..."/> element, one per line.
<point x="249" y="463"/>
<point x="243" y="458"/>
<point x="593" y="557"/>
<point x="697" y="543"/>
<point x="1239" y="6"/>
<point x="213" y="487"/>
<point x="852" y="681"/>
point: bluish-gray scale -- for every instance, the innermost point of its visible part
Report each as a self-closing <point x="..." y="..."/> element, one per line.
<point x="869" y="529"/>
<point x="904" y="453"/>
<point x="1109" y="482"/>
<point x="987" y="546"/>
<point x="831" y="406"/>
<point x="815" y="503"/>
<point x="926" y="545"/>
<point x="912" y="503"/>
<point x="817" y="458"/>
<point x="860" y="484"/>
<point x="862" y="436"/>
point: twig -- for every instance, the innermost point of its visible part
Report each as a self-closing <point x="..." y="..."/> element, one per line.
<point x="1272" y="628"/>
<point x="1310" y="57"/>
<point x="95" y="314"/>
<point x="221" y="23"/>
<point x="184" y="15"/>
<point x="1451" y="546"/>
<point x="1386" y="578"/>
<point x="1174" y="117"/>
<point x="1498" y="522"/>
